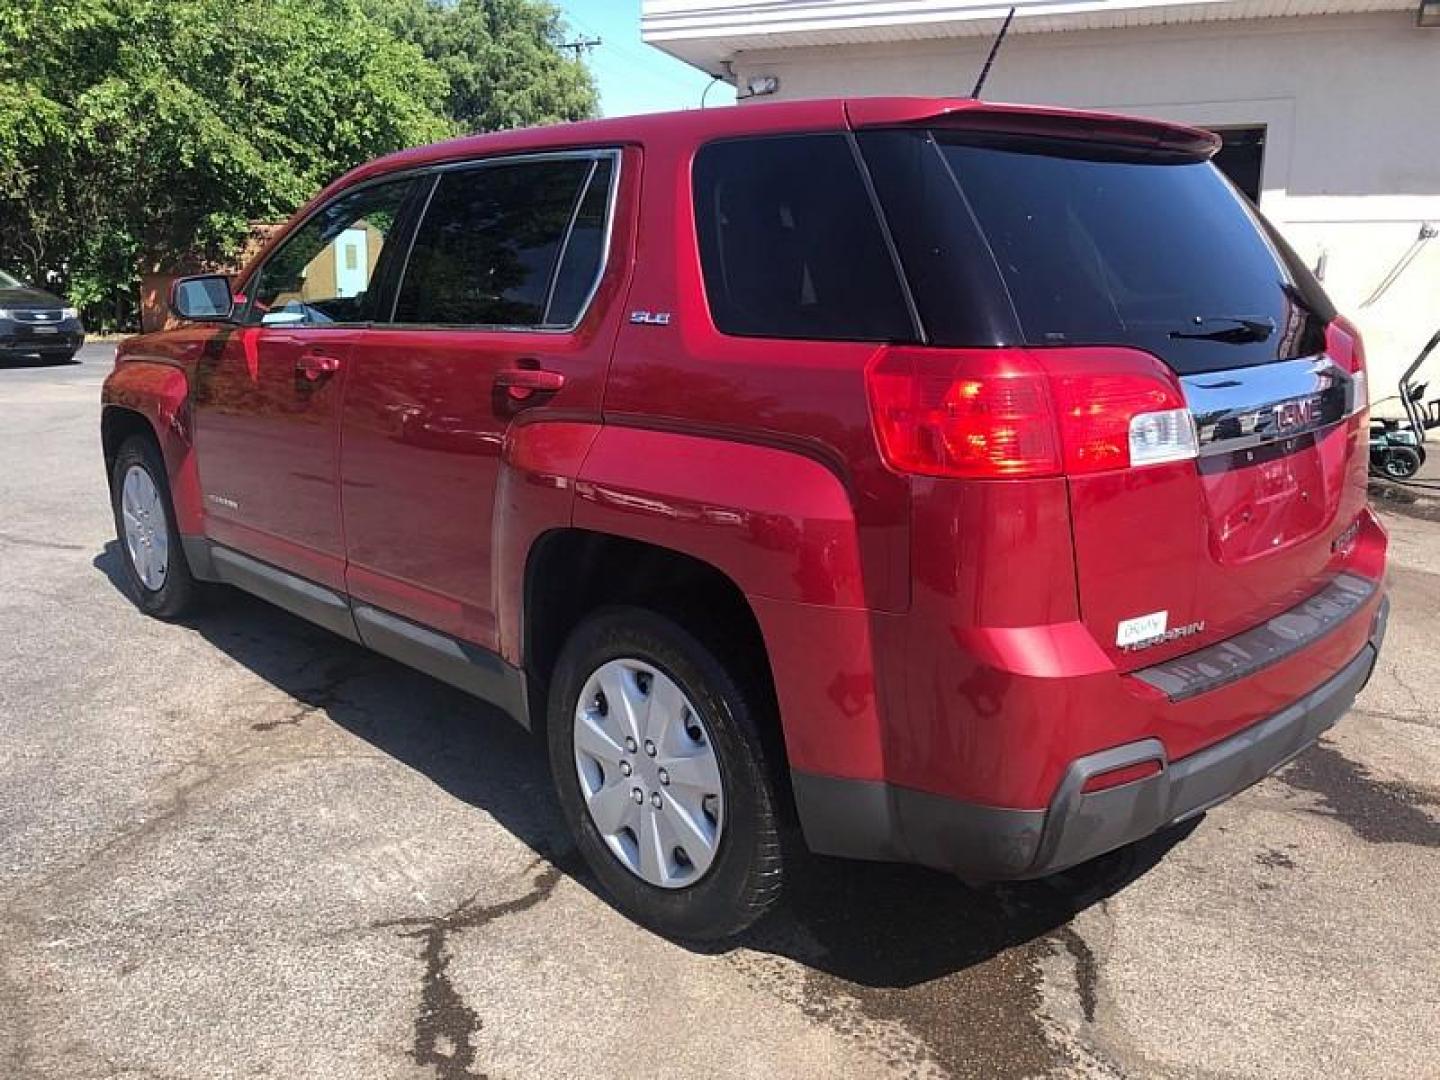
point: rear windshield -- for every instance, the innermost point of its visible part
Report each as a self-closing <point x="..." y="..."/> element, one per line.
<point x="1093" y="247"/>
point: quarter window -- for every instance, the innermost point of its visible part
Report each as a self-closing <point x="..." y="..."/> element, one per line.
<point x="492" y="249"/>
<point x="322" y="273"/>
<point x="790" y="244"/>
<point x="584" y="250"/>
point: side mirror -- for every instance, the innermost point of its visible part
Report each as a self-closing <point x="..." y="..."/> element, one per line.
<point x="205" y="298"/>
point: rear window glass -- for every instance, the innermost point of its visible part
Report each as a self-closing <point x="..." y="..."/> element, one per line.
<point x="790" y="243"/>
<point x="1162" y="256"/>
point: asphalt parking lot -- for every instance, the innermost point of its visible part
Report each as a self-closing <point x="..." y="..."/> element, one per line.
<point x="243" y="847"/>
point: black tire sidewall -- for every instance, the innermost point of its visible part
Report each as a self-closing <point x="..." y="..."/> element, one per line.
<point x="178" y="592"/>
<point x="741" y="882"/>
<point x="1410" y="457"/>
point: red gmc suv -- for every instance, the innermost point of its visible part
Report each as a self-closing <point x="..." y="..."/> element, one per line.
<point x="974" y="485"/>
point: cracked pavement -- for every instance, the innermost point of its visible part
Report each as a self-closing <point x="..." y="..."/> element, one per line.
<point x="242" y="847"/>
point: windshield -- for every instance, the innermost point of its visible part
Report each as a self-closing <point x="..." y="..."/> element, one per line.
<point x="8" y="282"/>
<point x="1164" y="256"/>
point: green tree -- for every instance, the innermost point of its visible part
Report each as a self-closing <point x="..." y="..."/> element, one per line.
<point x="138" y="132"/>
<point x="501" y="58"/>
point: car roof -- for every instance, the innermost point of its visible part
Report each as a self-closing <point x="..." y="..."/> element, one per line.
<point x="693" y="126"/>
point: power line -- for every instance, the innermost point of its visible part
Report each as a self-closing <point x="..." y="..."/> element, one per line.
<point x="638" y="57"/>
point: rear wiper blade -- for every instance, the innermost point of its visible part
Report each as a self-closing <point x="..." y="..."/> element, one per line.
<point x="1241" y="331"/>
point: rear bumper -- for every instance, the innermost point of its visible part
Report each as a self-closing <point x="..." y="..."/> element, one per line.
<point x="867" y="819"/>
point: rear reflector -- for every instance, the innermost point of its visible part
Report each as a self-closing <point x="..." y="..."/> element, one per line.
<point x="1126" y="774"/>
<point x="995" y="413"/>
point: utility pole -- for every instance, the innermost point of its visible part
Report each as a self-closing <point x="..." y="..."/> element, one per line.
<point x="580" y="45"/>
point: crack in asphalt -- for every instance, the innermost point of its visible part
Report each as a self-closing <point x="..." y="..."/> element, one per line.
<point x="445" y="1026"/>
<point x="1087" y="969"/>
<point x="335" y="674"/>
<point x="43" y="545"/>
<point x="1417" y="719"/>
<point x="177" y="801"/>
<point x="1377" y="811"/>
<point x="1275" y="859"/>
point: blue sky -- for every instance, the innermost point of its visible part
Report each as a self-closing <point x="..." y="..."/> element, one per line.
<point x="634" y="77"/>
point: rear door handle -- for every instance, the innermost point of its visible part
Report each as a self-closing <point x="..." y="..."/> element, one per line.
<point x="522" y="384"/>
<point x="314" y="366"/>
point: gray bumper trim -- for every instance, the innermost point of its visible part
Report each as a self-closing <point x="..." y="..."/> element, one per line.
<point x="1269" y="643"/>
<point x="1081" y="826"/>
<point x="869" y="819"/>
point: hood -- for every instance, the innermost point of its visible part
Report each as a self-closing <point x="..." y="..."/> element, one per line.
<point x="25" y="297"/>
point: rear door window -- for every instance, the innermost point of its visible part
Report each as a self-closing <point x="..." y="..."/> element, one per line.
<point x="790" y="243"/>
<point x="491" y="249"/>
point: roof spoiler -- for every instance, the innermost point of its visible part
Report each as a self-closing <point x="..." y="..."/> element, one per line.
<point x="969" y="114"/>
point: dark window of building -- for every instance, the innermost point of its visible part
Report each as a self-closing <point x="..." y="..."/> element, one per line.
<point x="1241" y="158"/>
<point x="790" y="244"/>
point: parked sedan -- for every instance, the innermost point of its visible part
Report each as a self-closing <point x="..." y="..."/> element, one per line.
<point x="33" y="322"/>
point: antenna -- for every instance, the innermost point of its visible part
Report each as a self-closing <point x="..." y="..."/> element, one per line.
<point x="994" y="48"/>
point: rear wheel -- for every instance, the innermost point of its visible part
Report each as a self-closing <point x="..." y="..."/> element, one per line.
<point x="661" y="776"/>
<point x="155" y="567"/>
<point x="1401" y="462"/>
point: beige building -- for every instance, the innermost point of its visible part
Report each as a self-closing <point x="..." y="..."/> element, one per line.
<point x="1330" y="109"/>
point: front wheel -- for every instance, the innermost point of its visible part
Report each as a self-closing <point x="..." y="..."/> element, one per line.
<point x="661" y="776"/>
<point x="155" y="566"/>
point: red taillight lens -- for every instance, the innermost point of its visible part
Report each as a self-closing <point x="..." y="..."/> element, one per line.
<point x="1345" y="346"/>
<point x="1014" y="413"/>
<point x="981" y="413"/>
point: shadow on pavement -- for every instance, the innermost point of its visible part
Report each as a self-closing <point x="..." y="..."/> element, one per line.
<point x="871" y="925"/>
<point x="38" y="360"/>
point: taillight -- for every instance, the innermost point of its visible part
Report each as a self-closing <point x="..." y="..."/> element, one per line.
<point x="1015" y="413"/>
<point x="1345" y="346"/>
<point x="981" y="413"/>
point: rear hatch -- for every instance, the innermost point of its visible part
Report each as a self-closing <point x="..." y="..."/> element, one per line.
<point x="1095" y="253"/>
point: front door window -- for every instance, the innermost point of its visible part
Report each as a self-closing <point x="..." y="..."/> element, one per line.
<point x="322" y="273"/>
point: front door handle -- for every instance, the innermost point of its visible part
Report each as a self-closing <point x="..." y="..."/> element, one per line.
<point x="314" y="366"/>
<point x="523" y="384"/>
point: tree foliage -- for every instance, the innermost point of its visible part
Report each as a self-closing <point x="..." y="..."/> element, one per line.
<point x="501" y="59"/>
<point x="140" y="133"/>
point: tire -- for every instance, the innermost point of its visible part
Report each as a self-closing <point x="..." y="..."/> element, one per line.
<point x="1401" y="462"/>
<point x="723" y="888"/>
<point x="172" y="591"/>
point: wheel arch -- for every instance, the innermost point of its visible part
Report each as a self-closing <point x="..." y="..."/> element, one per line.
<point x="765" y="533"/>
<point x="571" y="572"/>
<point x="143" y="397"/>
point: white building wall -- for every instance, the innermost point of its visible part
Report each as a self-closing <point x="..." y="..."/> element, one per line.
<point x="1351" y="105"/>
